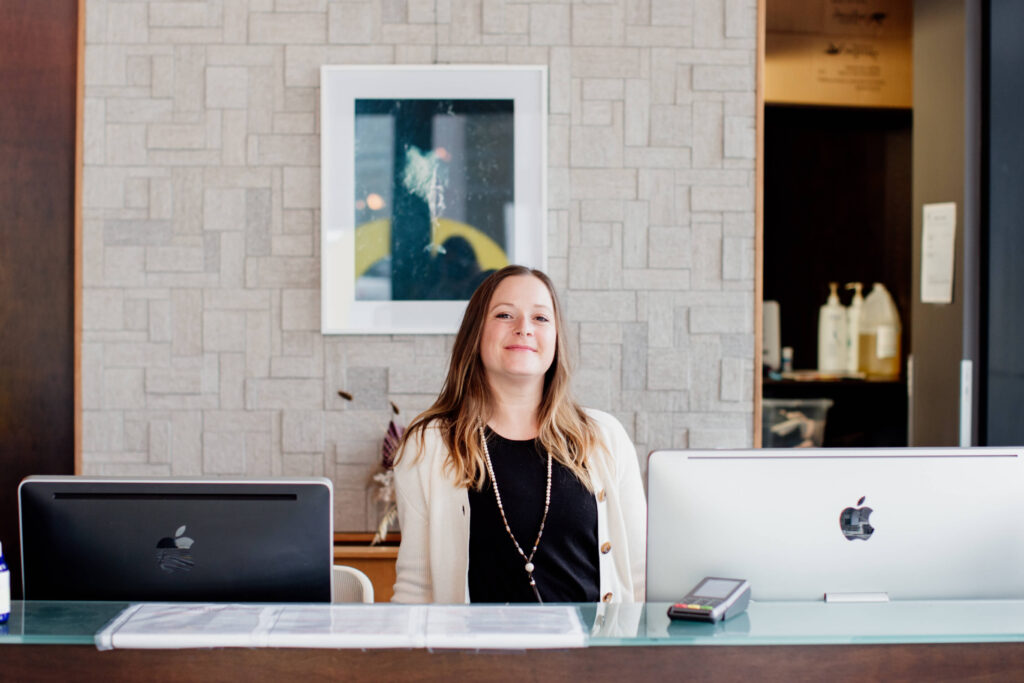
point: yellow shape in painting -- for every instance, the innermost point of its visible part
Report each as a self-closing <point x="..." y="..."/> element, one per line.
<point x="373" y="242"/>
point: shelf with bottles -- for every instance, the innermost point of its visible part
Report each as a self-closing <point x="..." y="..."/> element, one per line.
<point x="837" y="209"/>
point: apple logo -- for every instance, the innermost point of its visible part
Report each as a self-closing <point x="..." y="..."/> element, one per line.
<point x="175" y="554"/>
<point x="854" y="522"/>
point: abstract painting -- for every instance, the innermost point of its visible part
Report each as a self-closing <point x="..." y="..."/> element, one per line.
<point x="432" y="178"/>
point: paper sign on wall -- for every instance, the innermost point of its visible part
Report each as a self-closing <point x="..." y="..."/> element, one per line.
<point x="938" y="240"/>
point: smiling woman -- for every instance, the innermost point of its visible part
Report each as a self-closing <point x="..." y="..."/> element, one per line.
<point x="517" y="345"/>
<point x="507" y="490"/>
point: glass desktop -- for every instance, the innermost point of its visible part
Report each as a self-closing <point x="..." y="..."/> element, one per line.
<point x="766" y="623"/>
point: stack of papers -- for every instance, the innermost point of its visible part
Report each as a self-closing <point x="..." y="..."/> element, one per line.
<point x="190" y="625"/>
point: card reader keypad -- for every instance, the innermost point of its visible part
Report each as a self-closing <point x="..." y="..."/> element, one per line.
<point x="712" y="600"/>
<point x="696" y="605"/>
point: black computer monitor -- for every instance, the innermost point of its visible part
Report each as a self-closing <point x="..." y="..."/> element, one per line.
<point x="159" y="539"/>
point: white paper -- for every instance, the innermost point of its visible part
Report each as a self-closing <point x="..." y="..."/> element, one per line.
<point x="187" y="625"/>
<point x="504" y="626"/>
<point x="192" y="625"/>
<point x="352" y="625"/>
<point x="938" y="239"/>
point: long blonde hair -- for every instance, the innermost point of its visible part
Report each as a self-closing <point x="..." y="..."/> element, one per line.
<point x="463" y="405"/>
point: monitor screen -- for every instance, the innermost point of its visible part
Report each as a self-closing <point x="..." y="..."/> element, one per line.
<point x="209" y="540"/>
<point x="912" y="523"/>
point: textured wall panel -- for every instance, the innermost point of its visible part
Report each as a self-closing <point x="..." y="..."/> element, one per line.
<point x="202" y="198"/>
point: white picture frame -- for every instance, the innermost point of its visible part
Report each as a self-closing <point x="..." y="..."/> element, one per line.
<point x="354" y="250"/>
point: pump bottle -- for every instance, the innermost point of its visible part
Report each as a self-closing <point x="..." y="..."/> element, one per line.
<point x="832" y="351"/>
<point x="853" y="315"/>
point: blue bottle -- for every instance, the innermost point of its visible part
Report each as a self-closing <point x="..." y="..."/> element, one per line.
<point x="5" y="589"/>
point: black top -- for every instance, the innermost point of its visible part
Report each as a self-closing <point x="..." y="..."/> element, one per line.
<point x="566" y="563"/>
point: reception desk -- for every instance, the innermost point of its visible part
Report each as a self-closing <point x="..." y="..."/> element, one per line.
<point x="914" y="640"/>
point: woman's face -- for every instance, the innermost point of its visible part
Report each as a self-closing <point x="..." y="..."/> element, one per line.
<point x="518" y="339"/>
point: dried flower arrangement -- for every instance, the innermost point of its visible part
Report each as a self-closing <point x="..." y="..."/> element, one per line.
<point x="385" y="478"/>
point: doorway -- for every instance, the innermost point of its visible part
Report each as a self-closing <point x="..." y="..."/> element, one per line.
<point x="837" y="187"/>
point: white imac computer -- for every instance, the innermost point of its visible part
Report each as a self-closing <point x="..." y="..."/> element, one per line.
<point x="837" y="524"/>
<point x="204" y="540"/>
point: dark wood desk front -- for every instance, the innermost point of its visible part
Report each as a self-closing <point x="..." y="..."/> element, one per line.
<point x="832" y="663"/>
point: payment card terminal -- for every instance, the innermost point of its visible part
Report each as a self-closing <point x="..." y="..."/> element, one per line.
<point x="714" y="599"/>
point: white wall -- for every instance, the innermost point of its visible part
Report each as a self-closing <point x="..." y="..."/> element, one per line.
<point x="201" y="346"/>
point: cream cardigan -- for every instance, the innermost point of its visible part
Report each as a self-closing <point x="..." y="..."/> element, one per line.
<point x="433" y="559"/>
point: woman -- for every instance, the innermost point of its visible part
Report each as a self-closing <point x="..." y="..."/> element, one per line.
<point x="507" y="490"/>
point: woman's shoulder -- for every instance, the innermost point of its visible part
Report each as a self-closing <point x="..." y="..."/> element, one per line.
<point x="432" y="427"/>
<point x="618" y="460"/>
<point x="604" y="420"/>
<point x="422" y="439"/>
<point x="615" y="435"/>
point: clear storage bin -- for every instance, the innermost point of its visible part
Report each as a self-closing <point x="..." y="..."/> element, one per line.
<point x="793" y="422"/>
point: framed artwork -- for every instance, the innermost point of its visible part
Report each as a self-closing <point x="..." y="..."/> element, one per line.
<point x="432" y="177"/>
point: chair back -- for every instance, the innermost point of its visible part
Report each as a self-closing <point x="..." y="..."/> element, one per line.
<point x="351" y="585"/>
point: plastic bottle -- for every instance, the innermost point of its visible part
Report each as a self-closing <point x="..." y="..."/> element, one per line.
<point x="879" y="345"/>
<point x="5" y="589"/>
<point x="853" y="315"/>
<point x="832" y="333"/>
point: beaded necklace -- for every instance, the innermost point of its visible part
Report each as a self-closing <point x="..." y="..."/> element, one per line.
<point x="547" y="504"/>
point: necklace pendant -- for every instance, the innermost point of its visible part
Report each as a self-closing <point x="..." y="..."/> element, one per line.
<point x="529" y="567"/>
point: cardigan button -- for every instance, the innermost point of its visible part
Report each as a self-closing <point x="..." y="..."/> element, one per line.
<point x="600" y="496"/>
<point x="606" y="548"/>
<point x="607" y="597"/>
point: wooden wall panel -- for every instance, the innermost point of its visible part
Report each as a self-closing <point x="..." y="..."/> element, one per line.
<point x="946" y="144"/>
<point x="38" y="76"/>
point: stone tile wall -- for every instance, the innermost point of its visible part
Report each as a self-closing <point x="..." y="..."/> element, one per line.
<point x="201" y="346"/>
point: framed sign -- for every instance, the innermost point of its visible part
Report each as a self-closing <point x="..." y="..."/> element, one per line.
<point x="431" y="178"/>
